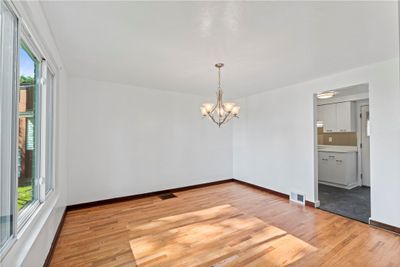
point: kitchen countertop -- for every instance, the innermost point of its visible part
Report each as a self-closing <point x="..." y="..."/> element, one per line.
<point x="340" y="149"/>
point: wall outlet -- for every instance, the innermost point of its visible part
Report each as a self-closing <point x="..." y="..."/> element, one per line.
<point x="330" y="139"/>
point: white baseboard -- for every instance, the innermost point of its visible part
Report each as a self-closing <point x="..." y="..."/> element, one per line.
<point x="350" y="186"/>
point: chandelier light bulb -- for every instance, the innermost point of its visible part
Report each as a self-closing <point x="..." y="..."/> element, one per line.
<point x="208" y="107"/>
<point x="235" y="110"/>
<point x="229" y="106"/>
<point x="203" y="111"/>
<point x="221" y="112"/>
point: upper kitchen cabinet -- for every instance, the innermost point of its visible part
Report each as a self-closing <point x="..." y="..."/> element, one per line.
<point x="346" y="117"/>
<point x="327" y="114"/>
<point x="338" y="117"/>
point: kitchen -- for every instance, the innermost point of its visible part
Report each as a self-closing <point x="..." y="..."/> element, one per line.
<point x="343" y="151"/>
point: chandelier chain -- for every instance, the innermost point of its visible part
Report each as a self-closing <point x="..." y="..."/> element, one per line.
<point x="219" y="78"/>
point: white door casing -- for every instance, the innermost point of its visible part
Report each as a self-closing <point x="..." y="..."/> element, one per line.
<point x="364" y="149"/>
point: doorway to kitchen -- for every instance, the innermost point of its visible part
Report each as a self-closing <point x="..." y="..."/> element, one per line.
<point x="342" y="149"/>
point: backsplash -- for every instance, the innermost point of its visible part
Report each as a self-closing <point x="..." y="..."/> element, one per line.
<point x="338" y="139"/>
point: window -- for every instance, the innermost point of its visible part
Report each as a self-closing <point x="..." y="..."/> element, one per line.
<point x="8" y="70"/>
<point x="28" y="158"/>
<point x="27" y="85"/>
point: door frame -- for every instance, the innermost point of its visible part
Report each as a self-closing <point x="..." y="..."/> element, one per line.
<point x="360" y="100"/>
<point x="360" y="104"/>
<point x="315" y="130"/>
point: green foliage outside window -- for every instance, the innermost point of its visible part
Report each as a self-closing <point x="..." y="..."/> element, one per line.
<point x="26" y="80"/>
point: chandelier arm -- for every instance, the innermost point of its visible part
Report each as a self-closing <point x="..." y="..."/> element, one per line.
<point x="223" y="117"/>
<point x="213" y="109"/>
<point x="231" y="117"/>
<point x="212" y="118"/>
<point x="234" y="116"/>
<point x="226" y="117"/>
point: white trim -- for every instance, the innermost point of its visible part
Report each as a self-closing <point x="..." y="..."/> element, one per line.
<point x="50" y="139"/>
<point x="43" y="130"/>
<point x="12" y="136"/>
<point x="355" y="97"/>
<point x="359" y="104"/>
<point x="24" y="215"/>
<point x="21" y="244"/>
<point x="349" y="186"/>
<point x="25" y="22"/>
<point x="315" y="113"/>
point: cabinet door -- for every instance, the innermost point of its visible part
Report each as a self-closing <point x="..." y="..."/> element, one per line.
<point x="326" y="167"/>
<point x="327" y="114"/>
<point x="339" y="165"/>
<point x="345" y="117"/>
<point x="348" y="161"/>
<point x="320" y="110"/>
<point x="323" y="167"/>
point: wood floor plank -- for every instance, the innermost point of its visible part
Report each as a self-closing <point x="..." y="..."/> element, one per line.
<point x="261" y="230"/>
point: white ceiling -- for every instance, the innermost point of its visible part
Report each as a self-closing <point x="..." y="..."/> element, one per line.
<point x="264" y="45"/>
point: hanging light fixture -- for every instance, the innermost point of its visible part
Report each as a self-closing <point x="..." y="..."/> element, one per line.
<point x="220" y="113"/>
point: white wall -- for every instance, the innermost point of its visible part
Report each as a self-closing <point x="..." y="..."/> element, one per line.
<point x="274" y="139"/>
<point x="33" y="242"/>
<point x="125" y="140"/>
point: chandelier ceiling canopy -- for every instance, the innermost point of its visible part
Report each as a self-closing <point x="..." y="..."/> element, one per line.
<point x="220" y="113"/>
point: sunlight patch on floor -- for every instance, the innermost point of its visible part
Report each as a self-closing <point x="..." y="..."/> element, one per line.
<point x="218" y="236"/>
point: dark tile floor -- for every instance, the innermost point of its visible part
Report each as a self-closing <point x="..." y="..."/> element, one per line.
<point x="354" y="203"/>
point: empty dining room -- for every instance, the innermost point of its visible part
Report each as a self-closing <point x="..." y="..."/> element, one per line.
<point x="199" y="133"/>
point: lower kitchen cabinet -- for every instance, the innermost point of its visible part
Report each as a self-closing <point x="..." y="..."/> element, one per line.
<point x="338" y="168"/>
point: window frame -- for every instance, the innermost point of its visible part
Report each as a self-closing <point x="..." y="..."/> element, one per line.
<point x="26" y="42"/>
<point x="21" y="221"/>
<point x="12" y="157"/>
<point x="50" y="124"/>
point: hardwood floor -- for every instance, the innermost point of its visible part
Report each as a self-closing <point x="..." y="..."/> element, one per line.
<point x="221" y="225"/>
<point x="218" y="236"/>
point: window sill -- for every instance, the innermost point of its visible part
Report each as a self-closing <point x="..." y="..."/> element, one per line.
<point x="19" y="246"/>
<point x="49" y="204"/>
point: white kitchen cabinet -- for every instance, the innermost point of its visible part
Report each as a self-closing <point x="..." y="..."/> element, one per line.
<point x="327" y="114"/>
<point x="345" y="117"/>
<point x="338" y="117"/>
<point x="337" y="169"/>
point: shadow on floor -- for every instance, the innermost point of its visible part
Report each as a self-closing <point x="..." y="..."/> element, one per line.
<point x="354" y="203"/>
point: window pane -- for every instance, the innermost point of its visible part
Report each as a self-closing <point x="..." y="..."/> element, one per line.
<point x="8" y="43"/>
<point x="28" y="127"/>
<point x="49" y="131"/>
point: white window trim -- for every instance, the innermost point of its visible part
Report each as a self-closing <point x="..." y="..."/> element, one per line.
<point x="23" y="216"/>
<point x="13" y="160"/>
<point x="51" y="123"/>
<point x="50" y="199"/>
<point x="41" y="54"/>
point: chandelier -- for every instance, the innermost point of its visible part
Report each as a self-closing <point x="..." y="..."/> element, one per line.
<point x="221" y="112"/>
